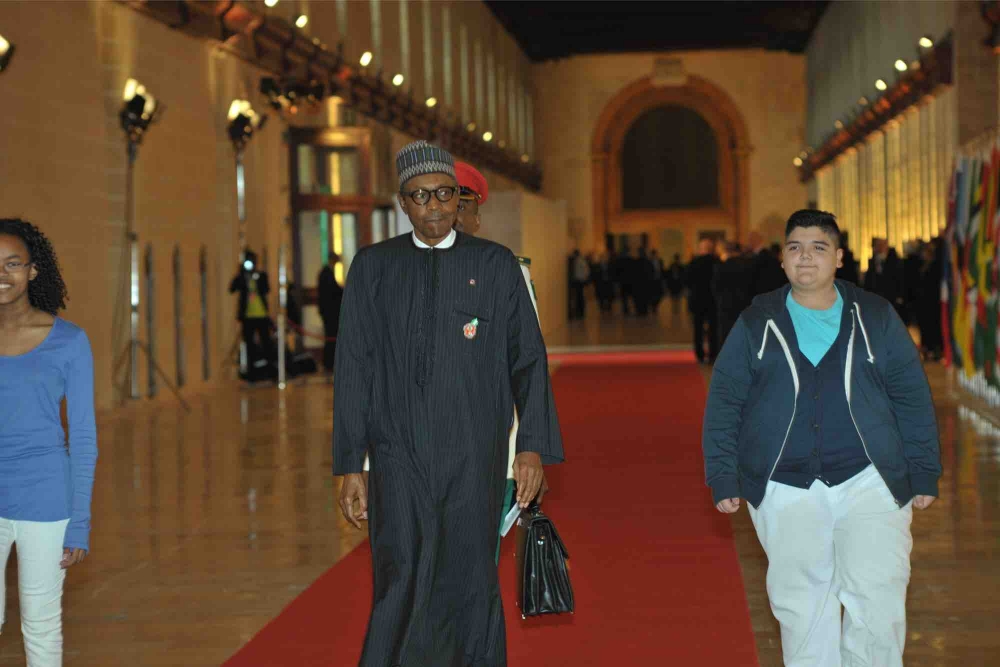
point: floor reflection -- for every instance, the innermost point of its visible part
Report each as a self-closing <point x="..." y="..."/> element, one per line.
<point x="207" y="523"/>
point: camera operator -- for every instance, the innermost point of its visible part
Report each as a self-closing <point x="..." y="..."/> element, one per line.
<point x="253" y="287"/>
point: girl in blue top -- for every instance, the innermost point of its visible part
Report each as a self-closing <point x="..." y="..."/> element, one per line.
<point x="45" y="486"/>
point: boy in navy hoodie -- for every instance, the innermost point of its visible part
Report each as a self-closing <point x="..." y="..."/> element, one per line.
<point x="820" y="416"/>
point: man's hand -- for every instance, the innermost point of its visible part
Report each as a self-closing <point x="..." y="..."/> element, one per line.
<point x="923" y="502"/>
<point x="530" y="478"/>
<point x="728" y="506"/>
<point x="355" y="488"/>
<point x="71" y="557"/>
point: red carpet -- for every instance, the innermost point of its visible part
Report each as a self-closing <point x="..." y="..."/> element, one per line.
<point x="654" y="567"/>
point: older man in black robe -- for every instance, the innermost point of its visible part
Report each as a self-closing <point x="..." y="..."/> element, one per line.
<point x="438" y="343"/>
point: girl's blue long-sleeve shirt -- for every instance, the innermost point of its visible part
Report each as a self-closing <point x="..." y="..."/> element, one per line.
<point x="41" y="479"/>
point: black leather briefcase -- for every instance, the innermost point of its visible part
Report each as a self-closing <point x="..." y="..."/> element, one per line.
<point x="542" y="568"/>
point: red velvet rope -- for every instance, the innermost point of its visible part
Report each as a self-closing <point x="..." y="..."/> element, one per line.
<point x="310" y="334"/>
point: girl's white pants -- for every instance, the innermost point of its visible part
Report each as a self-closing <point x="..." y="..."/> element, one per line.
<point x="39" y="584"/>
<point x="831" y="547"/>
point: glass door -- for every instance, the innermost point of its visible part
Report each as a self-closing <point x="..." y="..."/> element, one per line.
<point x="318" y="233"/>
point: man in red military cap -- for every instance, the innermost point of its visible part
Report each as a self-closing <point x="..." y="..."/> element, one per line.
<point x="473" y="192"/>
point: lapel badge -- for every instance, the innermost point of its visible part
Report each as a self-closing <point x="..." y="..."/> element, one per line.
<point x="470" y="328"/>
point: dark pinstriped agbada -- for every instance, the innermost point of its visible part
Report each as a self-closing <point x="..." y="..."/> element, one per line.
<point x="435" y="349"/>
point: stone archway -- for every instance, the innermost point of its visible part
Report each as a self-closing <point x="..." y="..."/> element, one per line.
<point x="732" y="137"/>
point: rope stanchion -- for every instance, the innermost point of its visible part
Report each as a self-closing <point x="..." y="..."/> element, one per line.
<point x="310" y="334"/>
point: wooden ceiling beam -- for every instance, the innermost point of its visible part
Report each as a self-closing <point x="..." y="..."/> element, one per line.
<point x="277" y="47"/>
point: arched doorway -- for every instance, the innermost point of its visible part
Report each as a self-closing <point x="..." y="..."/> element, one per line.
<point x="687" y="217"/>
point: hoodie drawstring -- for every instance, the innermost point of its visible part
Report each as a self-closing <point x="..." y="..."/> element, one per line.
<point x="864" y="334"/>
<point x="763" y="343"/>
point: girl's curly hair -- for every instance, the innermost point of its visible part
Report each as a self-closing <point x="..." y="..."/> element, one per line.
<point x="47" y="291"/>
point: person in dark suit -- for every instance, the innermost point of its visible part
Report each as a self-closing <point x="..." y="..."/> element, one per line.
<point x="328" y="298"/>
<point x="766" y="274"/>
<point x="885" y="274"/>
<point x="701" y="301"/>
<point x="731" y="287"/>
<point x="849" y="268"/>
<point x="675" y="284"/>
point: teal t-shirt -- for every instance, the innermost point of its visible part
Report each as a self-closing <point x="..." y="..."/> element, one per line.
<point x="815" y="329"/>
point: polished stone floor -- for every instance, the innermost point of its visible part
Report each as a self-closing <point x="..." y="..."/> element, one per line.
<point x="207" y="523"/>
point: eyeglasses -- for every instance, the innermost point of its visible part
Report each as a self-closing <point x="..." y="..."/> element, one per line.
<point x="15" y="267"/>
<point x="421" y="196"/>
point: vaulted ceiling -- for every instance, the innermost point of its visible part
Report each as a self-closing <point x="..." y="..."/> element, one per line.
<point x="548" y="30"/>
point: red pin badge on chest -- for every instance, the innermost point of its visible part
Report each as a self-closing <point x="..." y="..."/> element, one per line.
<point x="471" y="328"/>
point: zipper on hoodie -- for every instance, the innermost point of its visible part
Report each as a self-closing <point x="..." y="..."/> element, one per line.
<point x="855" y="320"/>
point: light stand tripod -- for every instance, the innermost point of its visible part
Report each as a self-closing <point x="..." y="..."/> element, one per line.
<point x="243" y="122"/>
<point x="139" y="110"/>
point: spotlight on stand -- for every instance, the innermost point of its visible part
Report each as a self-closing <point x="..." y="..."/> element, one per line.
<point x="243" y="122"/>
<point x="6" y="53"/>
<point x="139" y="110"/>
<point x="270" y="89"/>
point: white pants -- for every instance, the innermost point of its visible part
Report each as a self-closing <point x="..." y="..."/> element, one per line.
<point x="826" y="547"/>
<point x="39" y="585"/>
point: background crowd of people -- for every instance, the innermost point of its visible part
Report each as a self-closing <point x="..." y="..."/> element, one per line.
<point x="722" y="279"/>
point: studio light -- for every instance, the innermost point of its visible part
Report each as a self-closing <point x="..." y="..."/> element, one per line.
<point x="487" y="136"/>
<point x="139" y="110"/>
<point x="471" y="127"/>
<point x="900" y="66"/>
<point x="289" y="95"/>
<point x="366" y="58"/>
<point x="525" y="158"/>
<point x="243" y="122"/>
<point x="502" y="144"/>
<point x="6" y="53"/>
<point x="839" y="125"/>
<point x="302" y="21"/>
<point x="398" y="80"/>
<point x="431" y="102"/>
<point x="797" y="162"/>
<point x="863" y="101"/>
<point x="926" y="42"/>
<point x="880" y="84"/>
